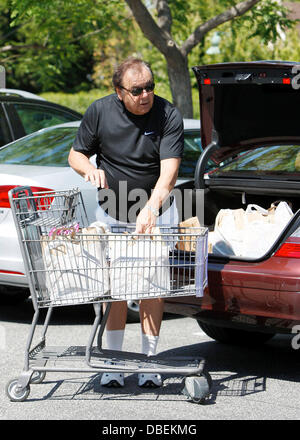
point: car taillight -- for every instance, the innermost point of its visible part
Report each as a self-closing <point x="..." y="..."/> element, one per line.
<point x="289" y="249"/>
<point x="4" y="201"/>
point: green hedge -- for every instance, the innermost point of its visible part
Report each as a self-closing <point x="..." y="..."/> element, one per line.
<point x="77" y="101"/>
<point x="81" y="100"/>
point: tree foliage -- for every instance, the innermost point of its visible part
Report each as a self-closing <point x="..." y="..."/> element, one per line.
<point x="67" y="45"/>
<point x="56" y="43"/>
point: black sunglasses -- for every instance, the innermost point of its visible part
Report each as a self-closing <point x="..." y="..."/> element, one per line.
<point x="136" y="91"/>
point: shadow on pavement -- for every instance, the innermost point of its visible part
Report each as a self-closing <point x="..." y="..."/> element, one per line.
<point x="66" y="315"/>
<point x="240" y="371"/>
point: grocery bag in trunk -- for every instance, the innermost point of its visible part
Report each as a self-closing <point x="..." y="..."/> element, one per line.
<point x="248" y="233"/>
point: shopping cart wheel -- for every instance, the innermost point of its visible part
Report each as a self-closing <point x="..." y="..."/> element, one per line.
<point x="197" y="388"/>
<point x="38" y="377"/>
<point x="15" y="393"/>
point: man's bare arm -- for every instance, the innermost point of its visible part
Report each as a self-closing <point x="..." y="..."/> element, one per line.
<point x="164" y="185"/>
<point x="82" y="165"/>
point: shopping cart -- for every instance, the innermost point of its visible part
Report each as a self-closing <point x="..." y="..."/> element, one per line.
<point x="69" y="262"/>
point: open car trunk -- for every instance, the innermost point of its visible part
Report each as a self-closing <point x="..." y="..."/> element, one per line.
<point x="249" y="117"/>
<point x="235" y="234"/>
<point x="217" y="199"/>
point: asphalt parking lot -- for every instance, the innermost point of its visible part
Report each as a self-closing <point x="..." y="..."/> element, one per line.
<point x="258" y="383"/>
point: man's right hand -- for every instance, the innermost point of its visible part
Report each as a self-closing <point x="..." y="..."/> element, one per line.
<point x="96" y="177"/>
<point x="82" y="165"/>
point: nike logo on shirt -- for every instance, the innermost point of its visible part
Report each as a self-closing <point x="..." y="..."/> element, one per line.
<point x="148" y="132"/>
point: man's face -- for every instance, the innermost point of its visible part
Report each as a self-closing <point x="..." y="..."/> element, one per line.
<point x="132" y="79"/>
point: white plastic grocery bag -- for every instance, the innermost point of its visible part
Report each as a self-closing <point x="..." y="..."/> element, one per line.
<point x="139" y="266"/>
<point x="228" y="235"/>
<point x="75" y="267"/>
<point x="264" y="228"/>
<point x="248" y="233"/>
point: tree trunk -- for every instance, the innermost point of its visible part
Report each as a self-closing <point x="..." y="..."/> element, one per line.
<point x="160" y="35"/>
<point x="180" y="82"/>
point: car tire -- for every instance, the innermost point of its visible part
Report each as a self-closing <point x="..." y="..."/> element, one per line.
<point x="133" y="314"/>
<point x="10" y="295"/>
<point x="234" y="336"/>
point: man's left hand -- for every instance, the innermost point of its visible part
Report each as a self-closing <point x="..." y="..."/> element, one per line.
<point x="145" y="221"/>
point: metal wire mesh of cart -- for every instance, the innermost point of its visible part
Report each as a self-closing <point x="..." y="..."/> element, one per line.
<point x="68" y="262"/>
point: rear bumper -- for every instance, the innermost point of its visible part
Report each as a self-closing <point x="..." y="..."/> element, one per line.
<point x="13" y="280"/>
<point x="261" y="296"/>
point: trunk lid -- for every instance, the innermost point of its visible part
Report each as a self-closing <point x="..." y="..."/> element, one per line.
<point x="248" y="105"/>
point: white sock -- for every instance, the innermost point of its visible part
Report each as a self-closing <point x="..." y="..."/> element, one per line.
<point x="114" y="339"/>
<point x="149" y="344"/>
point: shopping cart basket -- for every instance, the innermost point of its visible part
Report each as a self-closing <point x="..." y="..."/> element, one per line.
<point x="69" y="262"/>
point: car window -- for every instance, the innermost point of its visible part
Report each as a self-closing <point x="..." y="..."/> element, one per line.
<point x="192" y="151"/>
<point x="4" y="131"/>
<point x="35" y="117"/>
<point x="50" y="148"/>
<point x="271" y="160"/>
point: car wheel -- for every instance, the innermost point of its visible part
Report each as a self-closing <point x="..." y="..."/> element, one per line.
<point x="133" y="311"/>
<point x="11" y="295"/>
<point x="234" y="336"/>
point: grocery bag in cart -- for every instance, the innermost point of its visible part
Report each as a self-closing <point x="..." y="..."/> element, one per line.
<point x="75" y="265"/>
<point x="139" y="266"/>
<point x="193" y="247"/>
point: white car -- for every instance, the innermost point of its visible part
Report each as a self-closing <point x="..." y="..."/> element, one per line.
<point x="40" y="160"/>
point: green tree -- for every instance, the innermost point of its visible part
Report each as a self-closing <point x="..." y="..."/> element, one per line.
<point x="53" y="43"/>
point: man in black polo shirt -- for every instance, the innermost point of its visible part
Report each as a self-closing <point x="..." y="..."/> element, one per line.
<point x="138" y="139"/>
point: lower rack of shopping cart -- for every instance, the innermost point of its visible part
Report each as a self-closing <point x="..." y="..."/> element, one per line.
<point x="72" y="359"/>
<point x="90" y="358"/>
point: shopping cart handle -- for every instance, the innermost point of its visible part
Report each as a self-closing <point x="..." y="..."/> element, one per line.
<point x="22" y="198"/>
<point x="21" y="191"/>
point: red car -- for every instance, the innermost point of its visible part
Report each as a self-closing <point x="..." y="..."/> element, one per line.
<point x="250" y="129"/>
